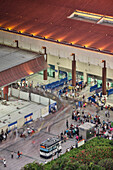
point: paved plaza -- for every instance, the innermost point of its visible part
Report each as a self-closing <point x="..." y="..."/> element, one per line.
<point x="56" y="123"/>
<point x="49" y="126"/>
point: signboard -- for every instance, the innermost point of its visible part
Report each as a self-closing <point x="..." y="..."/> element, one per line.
<point x="28" y="118"/>
<point x="12" y="126"/>
<point x="81" y="142"/>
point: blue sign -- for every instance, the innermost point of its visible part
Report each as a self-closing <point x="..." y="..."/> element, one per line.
<point x="12" y="124"/>
<point x="28" y="115"/>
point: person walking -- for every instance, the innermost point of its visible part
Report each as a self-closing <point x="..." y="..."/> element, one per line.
<point x="4" y="162"/>
<point x="12" y="154"/>
<point x="67" y="124"/>
<point x="108" y="114"/>
<point x="18" y="154"/>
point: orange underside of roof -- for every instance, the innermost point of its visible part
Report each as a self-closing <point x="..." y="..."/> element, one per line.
<point x="20" y="71"/>
<point x="48" y="18"/>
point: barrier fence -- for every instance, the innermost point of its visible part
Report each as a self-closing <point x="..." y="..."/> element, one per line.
<point x="93" y="88"/>
<point x="110" y="92"/>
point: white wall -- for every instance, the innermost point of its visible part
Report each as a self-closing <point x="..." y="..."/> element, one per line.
<point x="55" y="49"/>
<point x="35" y="98"/>
<point x="44" y="101"/>
<point x="24" y="95"/>
<point x="20" y="122"/>
<point x="44" y="111"/>
<point x="15" y="92"/>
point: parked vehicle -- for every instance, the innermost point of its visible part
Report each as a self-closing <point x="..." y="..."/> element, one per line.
<point x="50" y="147"/>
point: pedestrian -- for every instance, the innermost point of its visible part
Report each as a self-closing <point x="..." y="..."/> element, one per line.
<point x="33" y="142"/>
<point x="67" y="124"/>
<point x="57" y="154"/>
<point x="66" y="95"/>
<point x="4" y="162"/>
<point x="18" y="154"/>
<point x="77" y="137"/>
<point x="45" y="162"/>
<point x="5" y="135"/>
<point x="12" y="154"/>
<point x="82" y="112"/>
<point x="108" y="114"/>
<point x="76" y="105"/>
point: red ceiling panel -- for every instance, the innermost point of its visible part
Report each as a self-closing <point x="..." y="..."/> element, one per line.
<point x="49" y="18"/>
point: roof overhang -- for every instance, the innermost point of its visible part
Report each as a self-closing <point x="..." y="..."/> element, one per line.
<point x="22" y="70"/>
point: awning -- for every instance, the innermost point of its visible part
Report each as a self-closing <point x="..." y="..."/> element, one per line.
<point x="22" y="70"/>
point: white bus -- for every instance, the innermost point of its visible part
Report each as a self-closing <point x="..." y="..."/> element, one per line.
<point x="50" y="147"/>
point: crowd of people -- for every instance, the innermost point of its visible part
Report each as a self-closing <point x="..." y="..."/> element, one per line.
<point x="70" y="91"/>
<point x="105" y="126"/>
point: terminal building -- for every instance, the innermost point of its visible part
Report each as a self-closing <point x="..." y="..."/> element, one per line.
<point x="73" y="37"/>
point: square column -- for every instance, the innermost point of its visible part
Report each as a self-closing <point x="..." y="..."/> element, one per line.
<point x="73" y="70"/>
<point x="45" y="71"/>
<point x="104" y="78"/>
<point x="85" y="77"/>
<point x="56" y="71"/>
<point x="5" y="91"/>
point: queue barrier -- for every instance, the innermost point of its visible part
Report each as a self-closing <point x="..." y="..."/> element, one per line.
<point x="70" y="80"/>
<point x="56" y="84"/>
<point x="80" y="83"/>
<point x="93" y="88"/>
<point x="110" y="92"/>
<point x="99" y="89"/>
<point x="91" y="98"/>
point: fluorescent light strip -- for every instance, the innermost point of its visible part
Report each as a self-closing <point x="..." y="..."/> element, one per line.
<point x="87" y="15"/>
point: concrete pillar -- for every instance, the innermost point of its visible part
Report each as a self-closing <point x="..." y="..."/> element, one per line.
<point x="45" y="75"/>
<point x="5" y="91"/>
<point x="85" y="76"/>
<point x="45" y="71"/>
<point x="56" y="72"/>
<point x="73" y="70"/>
<point x="104" y="78"/>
